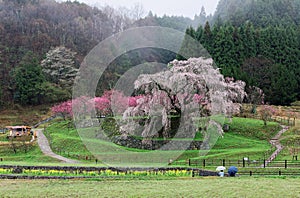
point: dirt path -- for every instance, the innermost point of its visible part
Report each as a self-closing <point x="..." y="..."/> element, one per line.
<point x="45" y="148"/>
<point x="275" y="142"/>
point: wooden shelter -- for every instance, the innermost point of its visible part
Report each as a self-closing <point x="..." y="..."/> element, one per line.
<point x="17" y="131"/>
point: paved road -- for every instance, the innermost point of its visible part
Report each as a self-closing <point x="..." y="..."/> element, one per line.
<point x="276" y="143"/>
<point x="45" y="148"/>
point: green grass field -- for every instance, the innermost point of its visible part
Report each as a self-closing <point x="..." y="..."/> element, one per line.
<point x="291" y="140"/>
<point x="32" y="155"/>
<point x="183" y="187"/>
<point x="246" y="138"/>
<point x="65" y="140"/>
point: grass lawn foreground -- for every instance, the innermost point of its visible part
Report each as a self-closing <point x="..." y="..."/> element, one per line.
<point x="185" y="187"/>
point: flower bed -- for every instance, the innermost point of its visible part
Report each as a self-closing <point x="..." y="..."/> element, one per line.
<point x="32" y="172"/>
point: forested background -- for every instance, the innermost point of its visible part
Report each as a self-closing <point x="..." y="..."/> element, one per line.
<point x="42" y="43"/>
<point x="257" y="41"/>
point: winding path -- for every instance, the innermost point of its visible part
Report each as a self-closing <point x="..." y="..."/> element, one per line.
<point x="45" y="148"/>
<point x="275" y="142"/>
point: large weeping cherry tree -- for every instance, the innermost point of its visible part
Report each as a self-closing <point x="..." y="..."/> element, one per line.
<point x="192" y="91"/>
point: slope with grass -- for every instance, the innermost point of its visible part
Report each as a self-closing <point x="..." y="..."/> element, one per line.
<point x="45" y="148"/>
<point x="247" y="137"/>
<point x="18" y="115"/>
<point x="291" y="141"/>
<point x="64" y="140"/>
<point x="25" y="153"/>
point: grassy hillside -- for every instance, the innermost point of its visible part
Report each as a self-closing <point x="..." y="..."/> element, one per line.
<point x="64" y="140"/>
<point x="247" y="137"/>
<point x="18" y="115"/>
<point x="291" y="141"/>
<point x="25" y="154"/>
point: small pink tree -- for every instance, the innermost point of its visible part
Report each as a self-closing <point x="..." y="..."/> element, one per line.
<point x="102" y="105"/>
<point x="118" y="102"/>
<point x="112" y="102"/>
<point x="82" y="105"/>
<point x="266" y="112"/>
<point x="64" y="109"/>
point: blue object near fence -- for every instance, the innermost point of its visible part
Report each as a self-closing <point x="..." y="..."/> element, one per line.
<point x="232" y="171"/>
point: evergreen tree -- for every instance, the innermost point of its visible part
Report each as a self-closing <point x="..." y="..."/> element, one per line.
<point x="208" y="38"/>
<point x="283" y="86"/>
<point x="28" y="79"/>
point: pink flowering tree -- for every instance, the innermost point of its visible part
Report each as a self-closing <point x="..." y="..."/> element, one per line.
<point x="66" y="109"/>
<point x="190" y="89"/>
<point x="82" y="106"/>
<point x="266" y="112"/>
<point x="63" y="109"/>
<point x="102" y="106"/>
<point x="110" y="103"/>
<point x="236" y="95"/>
<point x="115" y="103"/>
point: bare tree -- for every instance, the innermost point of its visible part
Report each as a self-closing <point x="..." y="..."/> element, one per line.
<point x="137" y="11"/>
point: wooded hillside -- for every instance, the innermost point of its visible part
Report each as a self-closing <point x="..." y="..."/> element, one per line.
<point x="257" y="41"/>
<point x="35" y="26"/>
<point x="254" y="40"/>
<point x="30" y="29"/>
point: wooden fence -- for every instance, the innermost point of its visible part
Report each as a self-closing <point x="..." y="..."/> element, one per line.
<point x="281" y="120"/>
<point x="271" y="173"/>
<point x="238" y="163"/>
<point x="284" y="121"/>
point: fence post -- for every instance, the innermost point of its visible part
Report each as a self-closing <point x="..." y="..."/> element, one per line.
<point x="243" y="163"/>
<point x="204" y="163"/>
<point x="279" y="173"/>
<point x="250" y="173"/>
<point x="285" y="164"/>
<point x="189" y="162"/>
<point x="264" y="163"/>
<point x="224" y="162"/>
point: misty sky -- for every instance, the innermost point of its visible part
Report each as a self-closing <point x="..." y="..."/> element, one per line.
<point x="186" y="8"/>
